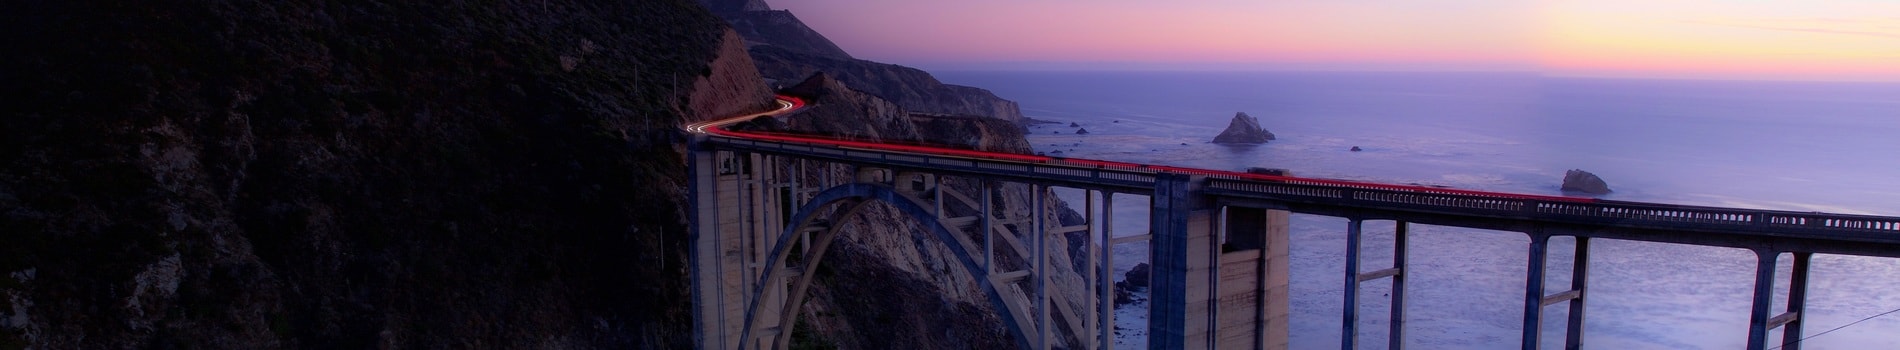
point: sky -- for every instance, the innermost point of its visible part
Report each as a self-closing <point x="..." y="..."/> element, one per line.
<point x="1712" y="39"/>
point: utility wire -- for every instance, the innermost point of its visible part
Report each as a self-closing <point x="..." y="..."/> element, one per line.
<point x="1837" y="328"/>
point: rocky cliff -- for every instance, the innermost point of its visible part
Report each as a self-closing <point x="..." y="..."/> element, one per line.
<point x="761" y="25"/>
<point x="266" y="174"/>
<point x="914" y="89"/>
<point x="788" y="51"/>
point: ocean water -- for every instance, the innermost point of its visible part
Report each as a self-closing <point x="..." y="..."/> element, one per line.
<point x="1804" y="146"/>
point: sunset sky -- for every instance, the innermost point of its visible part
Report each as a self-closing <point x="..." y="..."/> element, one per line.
<point x="1737" y="39"/>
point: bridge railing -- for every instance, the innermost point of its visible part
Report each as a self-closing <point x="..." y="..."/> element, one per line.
<point x="1131" y="179"/>
<point x="1138" y="177"/>
<point x="1626" y="213"/>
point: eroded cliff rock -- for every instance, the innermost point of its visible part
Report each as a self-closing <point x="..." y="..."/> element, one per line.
<point x="730" y="86"/>
<point x="839" y="111"/>
<point x="788" y="51"/>
<point x="264" y="174"/>
<point x="909" y="87"/>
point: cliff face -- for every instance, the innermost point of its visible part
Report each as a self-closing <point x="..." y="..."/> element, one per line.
<point x="763" y="26"/>
<point x="787" y="52"/>
<point x="781" y="29"/>
<point x="261" y="174"/>
<point x="728" y="86"/>
<point x="914" y="89"/>
<point x="839" y="111"/>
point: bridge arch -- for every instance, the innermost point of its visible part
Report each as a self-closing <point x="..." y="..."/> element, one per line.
<point x="852" y="198"/>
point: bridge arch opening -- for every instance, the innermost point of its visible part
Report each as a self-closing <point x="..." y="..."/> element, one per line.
<point x="823" y="216"/>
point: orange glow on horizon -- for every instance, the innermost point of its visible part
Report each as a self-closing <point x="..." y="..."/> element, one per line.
<point x="1844" y="40"/>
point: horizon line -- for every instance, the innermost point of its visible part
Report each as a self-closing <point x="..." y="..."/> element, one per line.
<point x="1540" y="73"/>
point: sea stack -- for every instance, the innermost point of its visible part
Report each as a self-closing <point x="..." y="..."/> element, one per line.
<point x="1583" y="181"/>
<point x="1244" y="130"/>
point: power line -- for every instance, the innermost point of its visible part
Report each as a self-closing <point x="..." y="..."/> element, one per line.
<point x="1838" y="328"/>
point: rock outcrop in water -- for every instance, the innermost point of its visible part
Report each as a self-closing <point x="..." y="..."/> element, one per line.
<point x="1583" y="181"/>
<point x="1244" y="129"/>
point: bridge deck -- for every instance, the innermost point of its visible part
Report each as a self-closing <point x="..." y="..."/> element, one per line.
<point x="1182" y="197"/>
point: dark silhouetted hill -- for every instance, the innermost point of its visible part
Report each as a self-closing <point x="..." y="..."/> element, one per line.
<point x="267" y="174"/>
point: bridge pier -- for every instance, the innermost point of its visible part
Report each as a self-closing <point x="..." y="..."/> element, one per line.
<point x="1349" y="338"/>
<point x="1251" y="310"/>
<point x="1215" y="289"/>
<point x="1759" y="322"/>
<point x="1535" y="298"/>
<point x="735" y="197"/>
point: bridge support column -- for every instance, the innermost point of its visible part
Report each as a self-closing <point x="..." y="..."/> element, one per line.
<point x="1106" y="272"/>
<point x="1579" y="282"/>
<point x="735" y="201"/>
<point x="1251" y="310"/>
<point x="1759" y="322"/>
<point x="1797" y="302"/>
<point x="1182" y="239"/>
<point x="1535" y="300"/>
<point x="708" y="307"/>
<point x="1396" y="333"/>
<point x="1534" y="291"/>
<point x="1201" y="295"/>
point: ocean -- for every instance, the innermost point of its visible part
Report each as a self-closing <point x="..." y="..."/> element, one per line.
<point x="1803" y="146"/>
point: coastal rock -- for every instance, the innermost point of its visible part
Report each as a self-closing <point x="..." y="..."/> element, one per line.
<point x="1123" y="296"/>
<point x="1137" y="276"/>
<point x="1244" y="129"/>
<point x="1583" y="181"/>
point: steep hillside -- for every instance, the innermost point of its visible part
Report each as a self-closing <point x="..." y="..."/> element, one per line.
<point x="914" y="89"/>
<point x="788" y="51"/>
<point x="263" y="174"/>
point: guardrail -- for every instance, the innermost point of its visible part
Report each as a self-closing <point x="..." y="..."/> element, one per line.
<point x="1138" y="178"/>
<point x="1597" y="212"/>
<point x="1129" y="180"/>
